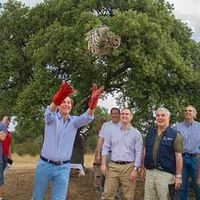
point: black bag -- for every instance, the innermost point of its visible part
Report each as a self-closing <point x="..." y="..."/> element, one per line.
<point x="174" y="194"/>
<point x="9" y="161"/>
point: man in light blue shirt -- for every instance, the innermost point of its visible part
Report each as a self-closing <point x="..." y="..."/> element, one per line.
<point x="198" y="178"/>
<point x="105" y="131"/>
<point x="107" y="128"/>
<point x="126" y="153"/>
<point x="3" y="133"/>
<point x="190" y="131"/>
<point x="59" y="135"/>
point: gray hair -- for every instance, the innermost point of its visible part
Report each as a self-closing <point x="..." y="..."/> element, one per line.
<point x="162" y="109"/>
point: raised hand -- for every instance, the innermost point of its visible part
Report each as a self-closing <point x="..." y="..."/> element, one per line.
<point x="96" y="93"/>
<point x="64" y="91"/>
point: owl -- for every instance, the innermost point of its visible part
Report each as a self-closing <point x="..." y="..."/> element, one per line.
<point x="101" y="41"/>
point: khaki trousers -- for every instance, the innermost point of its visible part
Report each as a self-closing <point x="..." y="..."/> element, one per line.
<point x="156" y="185"/>
<point x="119" y="174"/>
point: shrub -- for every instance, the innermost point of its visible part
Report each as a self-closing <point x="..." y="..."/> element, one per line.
<point x="29" y="147"/>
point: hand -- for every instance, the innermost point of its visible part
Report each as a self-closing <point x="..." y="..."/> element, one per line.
<point x="96" y="93"/>
<point x="64" y="91"/>
<point x="133" y="174"/>
<point x="143" y="174"/>
<point x="178" y="182"/>
<point x="2" y="135"/>
<point x="103" y="169"/>
<point x="98" y="158"/>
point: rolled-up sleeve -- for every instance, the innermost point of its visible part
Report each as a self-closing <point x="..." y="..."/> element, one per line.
<point x="138" y="149"/>
<point x="49" y="116"/>
<point x="83" y="120"/>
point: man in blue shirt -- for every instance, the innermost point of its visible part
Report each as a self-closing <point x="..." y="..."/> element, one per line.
<point x="198" y="179"/>
<point x="59" y="135"/>
<point x="190" y="131"/>
<point x="105" y="131"/>
<point x="3" y="132"/>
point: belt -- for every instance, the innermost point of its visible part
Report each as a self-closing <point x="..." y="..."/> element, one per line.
<point x="96" y="164"/>
<point x="54" y="162"/>
<point x="121" y="162"/>
<point x="189" y="154"/>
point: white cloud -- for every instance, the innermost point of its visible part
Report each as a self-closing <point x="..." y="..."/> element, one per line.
<point x="186" y="10"/>
<point x="108" y="103"/>
<point x="31" y="2"/>
<point x="189" y="12"/>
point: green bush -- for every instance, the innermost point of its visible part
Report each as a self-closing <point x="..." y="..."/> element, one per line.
<point x="20" y="149"/>
<point x="29" y="147"/>
<point x="13" y="144"/>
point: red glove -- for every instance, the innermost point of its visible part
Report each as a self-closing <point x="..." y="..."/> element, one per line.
<point x="96" y="93"/>
<point x="64" y="91"/>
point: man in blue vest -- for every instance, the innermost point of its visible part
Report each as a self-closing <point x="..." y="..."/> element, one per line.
<point x="162" y="158"/>
<point x="190" y="131"/>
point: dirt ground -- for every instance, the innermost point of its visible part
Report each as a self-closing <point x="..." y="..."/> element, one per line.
<point x="19" y="186"/>
<point x="19" y="181"/>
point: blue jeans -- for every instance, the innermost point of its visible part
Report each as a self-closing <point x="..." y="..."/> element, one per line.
<point x="1" y="174"/>
<point x="190" y="169"/>
<point x="57" y="174"/>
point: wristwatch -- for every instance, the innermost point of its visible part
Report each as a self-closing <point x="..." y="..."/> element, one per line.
<point x="179" y="176"/>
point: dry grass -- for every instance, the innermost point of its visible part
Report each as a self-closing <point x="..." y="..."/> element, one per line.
<point x="88" y="160"/>
<point x="24" y="162"/>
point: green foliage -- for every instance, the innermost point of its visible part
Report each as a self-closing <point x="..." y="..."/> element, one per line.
<point x="91" y="133"/>
<point x="90" y="144"/>
<point x="157" y="63"/>
<point x="28" y="147"/>
<point x="13" y="145"/>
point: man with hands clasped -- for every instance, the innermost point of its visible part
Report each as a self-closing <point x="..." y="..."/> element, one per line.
<point x="125" y="145"/>
<point x="162" y="158"/>
<point x="59" y="135"/>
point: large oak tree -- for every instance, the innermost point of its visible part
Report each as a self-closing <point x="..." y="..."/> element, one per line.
<point x="157" y="63"/>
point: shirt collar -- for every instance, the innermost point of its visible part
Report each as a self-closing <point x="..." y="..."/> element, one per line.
<point x="115" y="123"/>
<point x="130" y="127"/>
<point x="60" y="116"/>
<point x="188" y="124"/>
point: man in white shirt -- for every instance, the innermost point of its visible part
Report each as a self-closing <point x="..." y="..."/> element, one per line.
<point x="107" y="128"/>
<point x="105" y="131"/>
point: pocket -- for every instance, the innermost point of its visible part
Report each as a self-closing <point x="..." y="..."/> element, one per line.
<point x="166" y="144"/>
